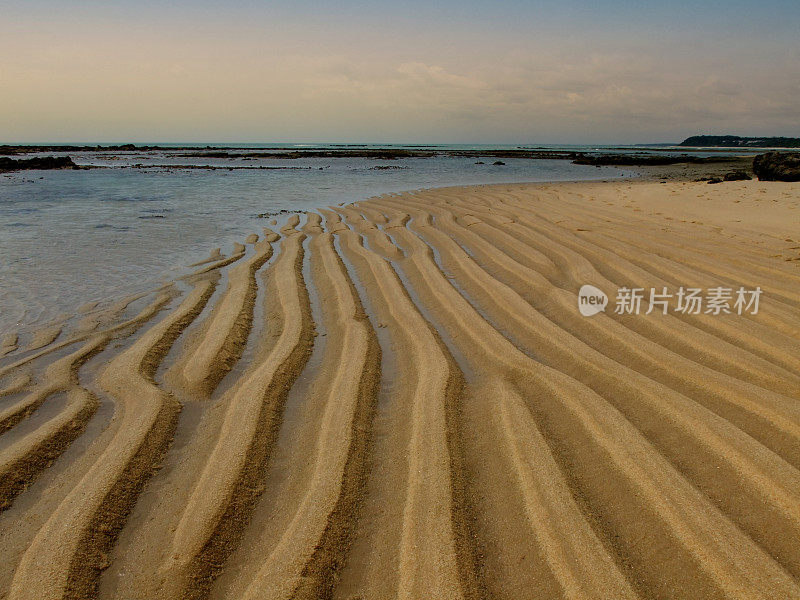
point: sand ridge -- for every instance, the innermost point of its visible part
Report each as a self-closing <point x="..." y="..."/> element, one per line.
<point x="460" y="431"/>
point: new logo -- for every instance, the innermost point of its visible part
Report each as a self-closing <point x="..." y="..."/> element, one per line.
<point x="591" y="300"/>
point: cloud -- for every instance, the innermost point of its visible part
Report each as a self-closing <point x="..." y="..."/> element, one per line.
<point x="102" y="86"/>
<point x="421" y="74"/>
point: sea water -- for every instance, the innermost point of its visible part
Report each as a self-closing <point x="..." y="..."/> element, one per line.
<point x="68" y="238"/>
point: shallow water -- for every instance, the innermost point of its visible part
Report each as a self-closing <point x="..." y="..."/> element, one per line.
<point x="72" y="237"/>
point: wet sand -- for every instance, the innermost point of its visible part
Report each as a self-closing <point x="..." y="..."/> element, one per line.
<point x="399" y="398"/>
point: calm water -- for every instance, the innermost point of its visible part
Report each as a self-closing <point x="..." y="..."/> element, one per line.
<point x="72" y="237"/>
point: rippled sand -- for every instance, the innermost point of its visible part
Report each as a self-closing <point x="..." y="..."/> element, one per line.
<point x="400" y="399"/>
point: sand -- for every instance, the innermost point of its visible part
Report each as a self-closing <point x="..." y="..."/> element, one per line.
<point x="399" y="398"/>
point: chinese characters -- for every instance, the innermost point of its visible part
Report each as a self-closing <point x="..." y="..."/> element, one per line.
<point x="690" y="301"/>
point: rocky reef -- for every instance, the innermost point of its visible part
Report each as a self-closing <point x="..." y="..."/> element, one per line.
<point x="777" y="166"/>
<point x="632" y="160"/>
<point x="39" y="163"/>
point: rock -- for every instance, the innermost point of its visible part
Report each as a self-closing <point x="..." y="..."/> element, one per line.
<point x="480" y="162"/>
<point x="45" y="162"/>
<point x="644" y="159"/>
<point x="736" y="176"/>
<point x="777" y="166"/>
<point x="498" y="162"/>
<point x="715" y="180"/>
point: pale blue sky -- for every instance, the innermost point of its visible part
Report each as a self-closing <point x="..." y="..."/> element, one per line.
<point x="504" y="72"/>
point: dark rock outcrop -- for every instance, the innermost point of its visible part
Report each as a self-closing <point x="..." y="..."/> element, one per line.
<point x="777" y="166"/>
<point x="736" y="176"/>
<point x="41" y="163"/>
<point x="635" y="160"/>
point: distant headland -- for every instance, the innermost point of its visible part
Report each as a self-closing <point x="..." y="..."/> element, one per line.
<point x="735" y="141"/>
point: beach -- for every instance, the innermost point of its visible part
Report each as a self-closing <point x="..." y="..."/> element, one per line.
<point x="402" y="397"/>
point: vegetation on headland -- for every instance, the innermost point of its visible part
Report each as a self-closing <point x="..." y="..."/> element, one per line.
<point x="735" y="141"/>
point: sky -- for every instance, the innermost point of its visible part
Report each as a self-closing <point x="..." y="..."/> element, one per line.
<point x="505" y="72"/>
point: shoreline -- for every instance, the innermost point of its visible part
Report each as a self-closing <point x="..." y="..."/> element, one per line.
<point x="137" y="219"/>
<point x="605" y="156"/>
<point x="399" y="397"/>
<point x="682" y="172"/>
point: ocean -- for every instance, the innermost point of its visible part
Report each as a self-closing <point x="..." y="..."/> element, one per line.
<point x="68" y="238"/>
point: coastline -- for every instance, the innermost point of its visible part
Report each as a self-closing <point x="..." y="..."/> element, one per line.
<point x="71" y="237"/>
<point x="102" y="225"/>
<point x="692" y="172"/>
<point x="399" y="397"/>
